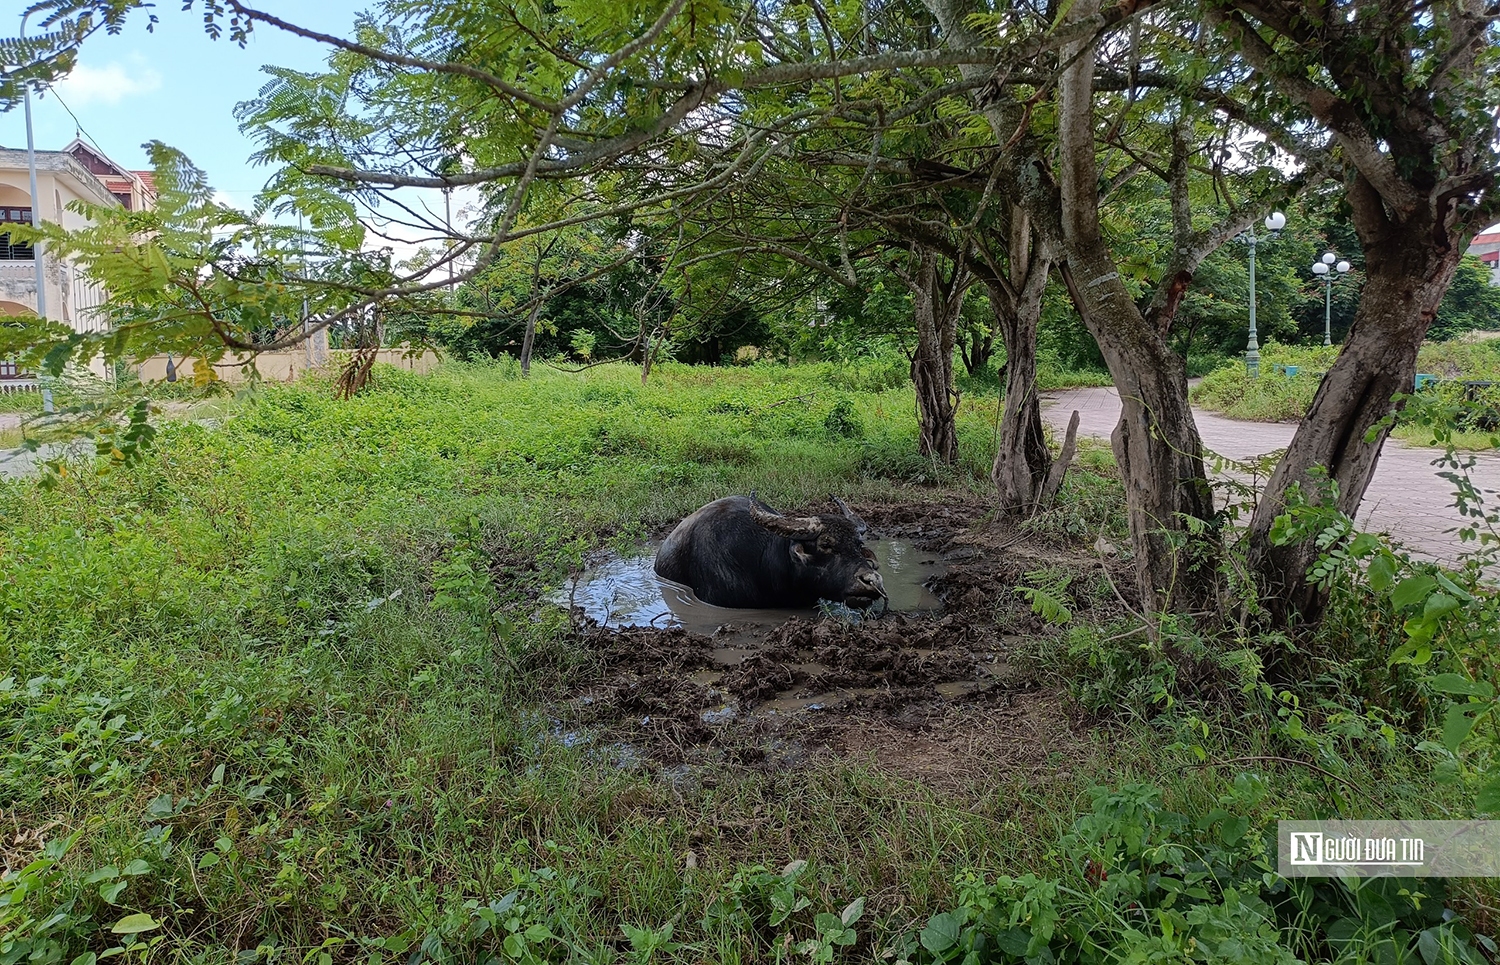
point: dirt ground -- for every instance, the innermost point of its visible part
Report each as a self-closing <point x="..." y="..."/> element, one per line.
<point x="926" y="695"/>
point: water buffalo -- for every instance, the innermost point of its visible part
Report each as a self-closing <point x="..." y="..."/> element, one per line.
<point x="739" y="552"/>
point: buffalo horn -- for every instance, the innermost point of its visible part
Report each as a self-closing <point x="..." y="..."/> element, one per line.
<point x="860" y="525"/>
<point x="792" y="527"/>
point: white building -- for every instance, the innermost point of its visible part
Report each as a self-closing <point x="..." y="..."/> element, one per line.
<point x="75" y="173"/>
<point x="1487" y="247"/>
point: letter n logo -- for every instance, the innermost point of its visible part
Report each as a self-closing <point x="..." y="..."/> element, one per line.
<point x="1307" y="847"/>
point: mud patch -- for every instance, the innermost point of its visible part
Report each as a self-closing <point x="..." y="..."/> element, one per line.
<point x="947" y="689"/>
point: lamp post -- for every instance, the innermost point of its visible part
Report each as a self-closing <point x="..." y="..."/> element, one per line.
<point x="1275" y="221"/>
<point x="1328" y="275"/>
<point x="36" y="207"/>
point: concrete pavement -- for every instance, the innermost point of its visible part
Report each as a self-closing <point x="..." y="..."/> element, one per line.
<point x="1407" y="498"/>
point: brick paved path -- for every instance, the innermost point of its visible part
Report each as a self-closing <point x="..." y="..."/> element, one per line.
<point x="1406" y="498"/>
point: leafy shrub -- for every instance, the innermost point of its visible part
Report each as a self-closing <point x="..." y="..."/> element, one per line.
<point x="1461" y="359"/>
<point x="1273" y="396"/>
<point x="1145" y="884"/>
<point x="843" y="421"/>
<point x="1435" y="627"/>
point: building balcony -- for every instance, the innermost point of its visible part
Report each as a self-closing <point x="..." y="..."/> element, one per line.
<point x="18" y="283"/>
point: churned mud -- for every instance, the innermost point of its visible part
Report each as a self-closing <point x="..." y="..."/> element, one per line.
<point x="944" y="684"/>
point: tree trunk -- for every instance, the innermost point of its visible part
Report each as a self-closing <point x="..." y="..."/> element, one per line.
<point x="978" y="352"/>
<point x="1156" y="443"/>
<point x="1406" y="276"/>
<point x="936" y="304"/>
<point x="529" y="340"/>
<point x="1060" y="467"/>
<point x="1022" y="459"/>
<point x="646" y="356"/>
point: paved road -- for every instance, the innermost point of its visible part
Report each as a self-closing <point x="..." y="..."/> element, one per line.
<point x="15" y="463"/>
<point x="1406" y="498"/>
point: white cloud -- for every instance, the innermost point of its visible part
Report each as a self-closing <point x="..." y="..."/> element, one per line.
<point x="108" y="84"/>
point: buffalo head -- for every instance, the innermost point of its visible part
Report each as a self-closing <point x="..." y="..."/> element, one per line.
<point x="827" y="552"/>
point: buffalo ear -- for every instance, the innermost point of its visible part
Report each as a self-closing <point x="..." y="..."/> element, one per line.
<point x="800" y="554"/>
<point x="870" y="555"/>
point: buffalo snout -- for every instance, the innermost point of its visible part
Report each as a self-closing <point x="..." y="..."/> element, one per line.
<point x="866" y="589"/>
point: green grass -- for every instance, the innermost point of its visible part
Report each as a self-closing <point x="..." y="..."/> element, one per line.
<point x="1272" y="397"/>
<point x="1053" y="377"/>
<point x="25" y="403"/>
<point x="286" y="684"/>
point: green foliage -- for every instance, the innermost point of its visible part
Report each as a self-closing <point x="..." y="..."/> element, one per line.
<point x="1118" y="674"/>
<point x="1461" y="359"/>
<point x="842" y="421"/>
<point x="1439" y="624"/>
<point x="1047" y="594"/>
<point x="193" y="277"/>
<point x="585" y="286"/>
<point x="292" y="667"/>
<point x="1470" y="304"/>
<point x="1145" y="884"/>
<point x="1273" y="396"/>
<point x="1092" y="500"/>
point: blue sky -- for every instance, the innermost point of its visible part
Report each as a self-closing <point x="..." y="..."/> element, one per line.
<point x="177" y="86"/>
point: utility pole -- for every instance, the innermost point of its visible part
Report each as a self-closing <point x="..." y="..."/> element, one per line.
<point x="36" y="248"/>
<point x="302" y="249"/>
<point x="448" y="223"/>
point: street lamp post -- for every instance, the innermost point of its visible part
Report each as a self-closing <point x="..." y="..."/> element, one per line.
<point x="1328" y="276"/>
<point x="1275" y="221"/>
<point x="36" y="208"/>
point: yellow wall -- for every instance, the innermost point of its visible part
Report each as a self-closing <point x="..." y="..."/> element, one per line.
<point x="280" y="366"/>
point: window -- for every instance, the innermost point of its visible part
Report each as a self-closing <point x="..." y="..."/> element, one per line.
<point x="14" y="251"/>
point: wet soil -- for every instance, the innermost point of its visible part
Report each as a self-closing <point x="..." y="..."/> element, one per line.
<point x="939" y="693"/>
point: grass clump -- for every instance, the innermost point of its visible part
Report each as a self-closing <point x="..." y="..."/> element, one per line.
<point x="22" y="403"/>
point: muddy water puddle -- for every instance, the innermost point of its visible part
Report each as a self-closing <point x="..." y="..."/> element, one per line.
<point x="625" y="592"/>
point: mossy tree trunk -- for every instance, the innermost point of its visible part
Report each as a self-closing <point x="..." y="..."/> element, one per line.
<point x="937" y="300"/>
